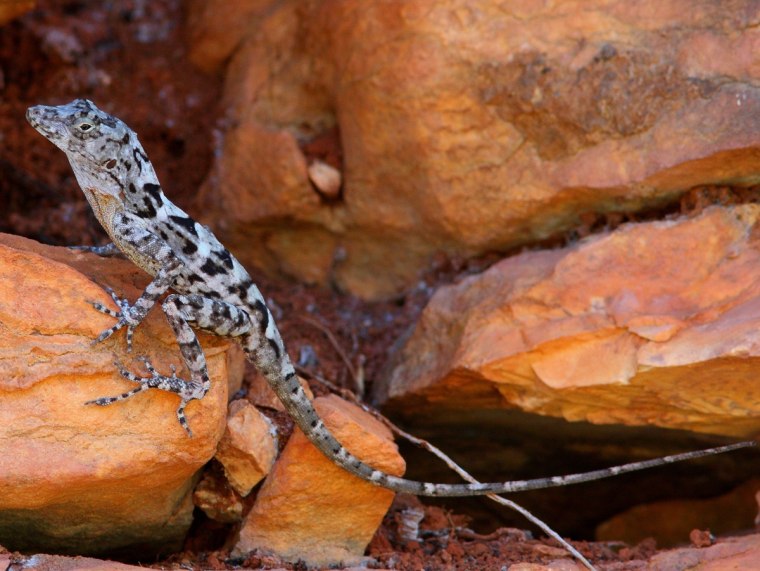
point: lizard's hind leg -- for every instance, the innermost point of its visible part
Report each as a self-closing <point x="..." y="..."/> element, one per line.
<point x="205" y="313"/>
<point x="209" y="314"/>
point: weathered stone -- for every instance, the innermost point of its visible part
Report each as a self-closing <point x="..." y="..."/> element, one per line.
<point x="216" y="27"/>
<point x="217" y="499"/>
<point x="261" y="394"/>
<point x="326" y="178"/>
<point x="653" y="324"/>
<point x="14" y="9"/>
<point x="42" y="562"/>
<point x="671" y="521"/>
<point x="89" y="479"/>
<point x="471" y="126"/>
<point x="731" y="553"/>
<point x="557" y="565"/>
<point x="248" y="448"/>
<point x="310" y="509"/>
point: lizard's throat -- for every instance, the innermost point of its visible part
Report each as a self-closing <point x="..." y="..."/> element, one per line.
<point x="104" y="206"/>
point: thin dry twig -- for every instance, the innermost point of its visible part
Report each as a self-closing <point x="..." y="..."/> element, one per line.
<point x="334" y="342"/>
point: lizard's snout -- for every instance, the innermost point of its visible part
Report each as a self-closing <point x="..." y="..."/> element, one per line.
<point x="44" y="120"/>
<point x="33" y="115"/>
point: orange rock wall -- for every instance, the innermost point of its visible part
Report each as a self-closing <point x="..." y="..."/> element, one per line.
<point x="467" y="126"/>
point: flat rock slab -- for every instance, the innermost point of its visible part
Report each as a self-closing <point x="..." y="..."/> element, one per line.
<point x="653" y="324"/>
<point x="88" y="479"/>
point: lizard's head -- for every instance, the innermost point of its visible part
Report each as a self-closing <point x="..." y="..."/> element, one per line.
<point x="100" y="147"/>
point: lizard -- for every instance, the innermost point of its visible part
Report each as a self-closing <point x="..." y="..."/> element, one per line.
<point x="213" y="292"/>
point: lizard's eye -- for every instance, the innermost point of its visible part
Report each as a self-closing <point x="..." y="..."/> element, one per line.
<point x="84" y="126"/>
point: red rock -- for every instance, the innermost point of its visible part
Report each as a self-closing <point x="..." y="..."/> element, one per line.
<point x="638" y="327"/>
<point x="11" y="10"/>
<point x="670" y="522"/>
<point x="216" y="498"/>
<point x="467" y="126"/>
<point x="88" y="479"/>
<point x="43" y="562"/>
<point x="248" y="448"/>
<point x="262" y="395"/>
<point x="732" y="553"/>
<point x="310" y="509"/>
<point x="216" y="28"/>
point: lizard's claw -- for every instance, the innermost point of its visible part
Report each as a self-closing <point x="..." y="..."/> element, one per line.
<point x="126" y="318"/>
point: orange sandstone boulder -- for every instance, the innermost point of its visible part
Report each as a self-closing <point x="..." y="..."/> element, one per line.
<point x="11" y="10"/>
<point x="652" y="324"/>
<point x="248" y="448"/>
<point x="730" y="553"/>
<point x="310" y="509"/>
<point x="462" y="126"/>
<point x="671" y="521"/>
<point x="90" y="479"/>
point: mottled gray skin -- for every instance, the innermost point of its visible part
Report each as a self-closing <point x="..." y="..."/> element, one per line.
<point x="213" y="291"/>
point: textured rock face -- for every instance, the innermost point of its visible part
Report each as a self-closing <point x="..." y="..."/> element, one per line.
<point x="88" y="479"/>
<point x="248" y="448"/>
<point x="14" y="9"/>
<point x="732" y="553"/>
<point x="310" y="509"/>
<point x="671" y="521"/>
<point x="653" y="324"/>
<point x="43" y="562"/>
<point x="468" y="126"/>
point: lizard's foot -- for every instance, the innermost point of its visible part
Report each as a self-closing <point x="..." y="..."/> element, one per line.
<point x="187" y="390"/>
<point x="126" y="318"/>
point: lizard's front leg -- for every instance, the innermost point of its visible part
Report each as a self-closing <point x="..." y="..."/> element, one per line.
<point x="106" y="251"/>
<point x="209" y="314"/>
<point x="159" y="255"/>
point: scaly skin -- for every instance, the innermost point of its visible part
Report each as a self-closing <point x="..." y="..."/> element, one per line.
<point x="213" y="291"/>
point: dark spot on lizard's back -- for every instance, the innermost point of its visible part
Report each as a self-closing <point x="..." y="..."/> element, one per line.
<point x="138" y="162"/>
<point x="189" y="247"/>
<point x="211" y="269"/>
<point x="149" y="212"/>
<point x="139" y="152"/>
<point x="259" y="306"/>
<point x="225" y="257"/>
<point x="155" y="192"/>
<point x="185" y="222"/>
<point x="115" y="179"/>
<point x="132" y="188"/>
<point x="125" y="138"/>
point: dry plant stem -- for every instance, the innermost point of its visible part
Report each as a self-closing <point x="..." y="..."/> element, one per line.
<point x="498" y="499"/>
<point x="334" y="342"/>
<point x="459" y="470"/>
